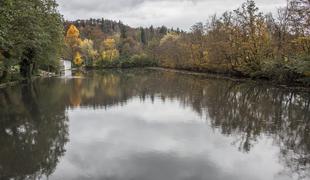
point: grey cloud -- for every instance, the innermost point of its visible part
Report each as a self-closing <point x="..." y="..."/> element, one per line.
<point x="172" y="13"/>
<point x="109" y="5"/>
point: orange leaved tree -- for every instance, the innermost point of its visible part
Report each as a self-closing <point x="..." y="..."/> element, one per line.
<point x="73" y="41"/>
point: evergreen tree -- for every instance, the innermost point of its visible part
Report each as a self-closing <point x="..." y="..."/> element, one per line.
<point x="143" y="36"/>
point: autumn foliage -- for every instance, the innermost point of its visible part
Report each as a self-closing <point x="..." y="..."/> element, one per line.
<point x="244" y="42"/>
<point x="78" y="61"/>
<point x="73" y="43"/>
<point x="73" y="32"/>
<point x="109" y="52"/>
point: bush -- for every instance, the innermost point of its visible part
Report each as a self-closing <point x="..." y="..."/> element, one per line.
<point x="303" y="67"/>
<point x="288" y="70"/>
<point x="140" y="60"/>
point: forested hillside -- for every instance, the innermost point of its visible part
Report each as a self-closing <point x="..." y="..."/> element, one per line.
<point x="244" y="42"/>
<point x="106" y="43"/>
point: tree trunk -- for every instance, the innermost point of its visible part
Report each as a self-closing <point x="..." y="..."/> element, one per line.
<point x="25" y="69"/>
<point x="26" y="65"/>
<point x="6" y="70"/>
<point x="4" y="75"/>
<point x="34" y="69"/>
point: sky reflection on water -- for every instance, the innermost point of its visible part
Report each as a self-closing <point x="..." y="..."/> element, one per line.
<point x="151" y="125"/>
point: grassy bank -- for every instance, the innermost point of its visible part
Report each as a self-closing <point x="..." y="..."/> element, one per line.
<point x="291" y="73"/>
<point x="242" y="79"/>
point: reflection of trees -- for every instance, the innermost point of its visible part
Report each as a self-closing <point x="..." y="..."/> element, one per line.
<point x="33" y="131"/>
<point x="243" y="110"/>
<point x="249" y="111"/>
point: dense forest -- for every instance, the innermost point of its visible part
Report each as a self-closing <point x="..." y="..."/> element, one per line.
<point x="244" y="42"/>
<point x="31" y="37"/>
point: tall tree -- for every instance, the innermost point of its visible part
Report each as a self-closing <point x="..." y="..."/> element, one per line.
<point x="31" y="33"/>
<point x="73" y="41"/>
<point x="143" y="36"/>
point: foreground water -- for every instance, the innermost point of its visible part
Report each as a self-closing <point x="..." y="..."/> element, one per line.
<point x="152" y="125"/>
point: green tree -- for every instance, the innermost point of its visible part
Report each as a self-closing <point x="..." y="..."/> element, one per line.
<point x="143" y="36"/>
<point x="31" y="33"/>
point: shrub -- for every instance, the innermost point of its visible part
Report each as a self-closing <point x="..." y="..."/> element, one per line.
<point x="294" y="69"/>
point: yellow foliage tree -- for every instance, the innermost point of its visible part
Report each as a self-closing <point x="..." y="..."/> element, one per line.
<point x="169" y="37"/>
<point x="110" y="55"/>
<point x="109" y="52"/>
<point x="73" y="41"/>
<point x="302" y="45"/>
<point x="73" y="32"/>
<point x="78" y="61"/>
<point x="88" y="51"/>
<point x="109" y="43"/>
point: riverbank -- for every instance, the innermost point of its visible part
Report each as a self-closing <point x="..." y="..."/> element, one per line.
<point x="275" y="75"/>
<point x="212" y="75"/>
<point x="218" y="75"/>
<point x="42" y="74"/>
<point x="9" y="84"/>
<point x="301" y="83"/>
<point x="296" y="86"/>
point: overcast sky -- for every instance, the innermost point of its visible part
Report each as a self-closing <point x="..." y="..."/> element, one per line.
<point x="172" y="13"/>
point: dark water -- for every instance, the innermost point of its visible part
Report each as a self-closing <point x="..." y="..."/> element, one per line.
<point x="153" y="125"/>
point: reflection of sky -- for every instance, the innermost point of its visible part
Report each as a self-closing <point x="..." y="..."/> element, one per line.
<point x="159" y="141"/>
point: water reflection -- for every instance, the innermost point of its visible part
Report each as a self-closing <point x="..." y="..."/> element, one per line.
<point x="33" y="131"/>
<point x="130" y="124"/>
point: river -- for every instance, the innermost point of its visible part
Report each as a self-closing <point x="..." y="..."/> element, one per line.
<point x="144" y="124"/>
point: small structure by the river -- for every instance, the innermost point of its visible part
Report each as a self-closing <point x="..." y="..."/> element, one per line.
<point x="65" y="67"/>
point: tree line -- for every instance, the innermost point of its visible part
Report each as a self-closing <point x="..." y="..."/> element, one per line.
<point x="31" y="37"/>
<point x="244" y="42"/>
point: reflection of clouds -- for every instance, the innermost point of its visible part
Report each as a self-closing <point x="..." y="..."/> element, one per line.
<point x="158" y="141"/>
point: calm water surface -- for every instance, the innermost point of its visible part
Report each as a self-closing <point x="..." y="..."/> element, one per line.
<point x="152" y="125"/>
